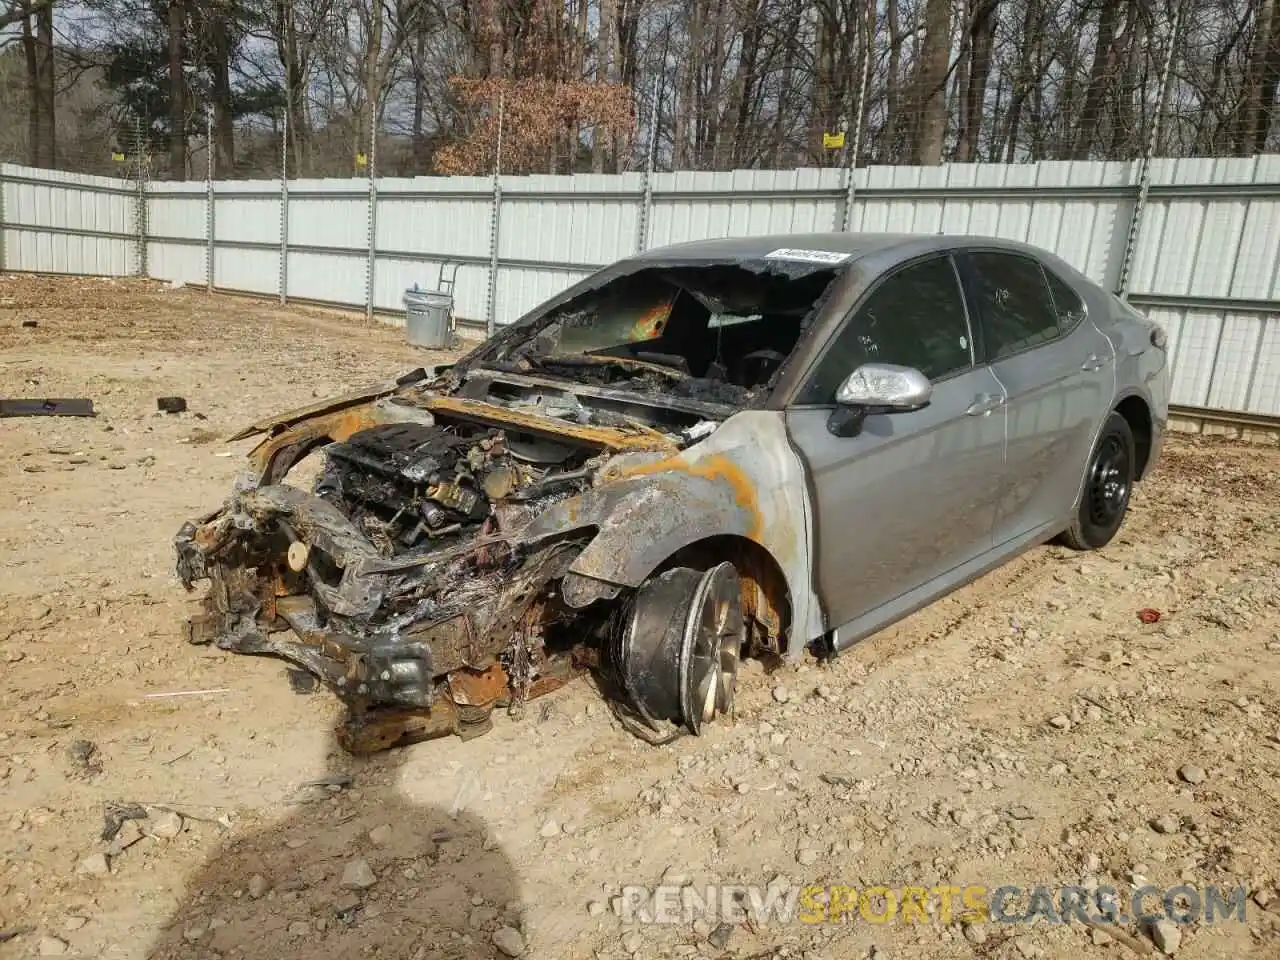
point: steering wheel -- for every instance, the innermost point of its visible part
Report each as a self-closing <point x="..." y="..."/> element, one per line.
<point x="758" y="366"/>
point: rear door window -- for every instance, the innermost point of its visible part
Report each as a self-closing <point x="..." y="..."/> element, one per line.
<point x="1066" y="302"/>
<point x="1017" y="310"/>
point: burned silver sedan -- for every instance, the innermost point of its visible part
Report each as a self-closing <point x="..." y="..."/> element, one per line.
<point x="745" y="447"/>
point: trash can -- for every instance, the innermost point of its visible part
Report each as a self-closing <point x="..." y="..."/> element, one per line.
<point x="426" y="319"/>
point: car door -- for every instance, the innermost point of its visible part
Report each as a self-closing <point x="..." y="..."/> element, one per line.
<point x="912" y="495"/>
<point x="1058" y="373"/>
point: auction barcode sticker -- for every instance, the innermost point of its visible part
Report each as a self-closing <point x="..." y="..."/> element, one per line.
<point x="809" y="256"/>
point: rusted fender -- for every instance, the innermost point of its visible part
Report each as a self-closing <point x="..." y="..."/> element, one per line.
<point x="743" y="480"/>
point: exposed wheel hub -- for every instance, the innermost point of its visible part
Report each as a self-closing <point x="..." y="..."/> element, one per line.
<point x="1109" y="479"/>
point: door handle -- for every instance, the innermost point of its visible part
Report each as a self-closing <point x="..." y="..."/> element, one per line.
<point x="1094" y="362"/>
<point x="984" y="405"/>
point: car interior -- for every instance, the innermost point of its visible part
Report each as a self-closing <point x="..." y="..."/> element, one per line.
<point x="721" y="322"/>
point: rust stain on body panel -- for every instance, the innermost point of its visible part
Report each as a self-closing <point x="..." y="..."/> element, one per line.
<point x="718" y="468"/>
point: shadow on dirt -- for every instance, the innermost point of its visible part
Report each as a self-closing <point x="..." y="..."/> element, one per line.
<point x="351" y="871"/>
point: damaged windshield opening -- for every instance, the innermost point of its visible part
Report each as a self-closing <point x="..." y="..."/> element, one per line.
<point x="718" y="333"/>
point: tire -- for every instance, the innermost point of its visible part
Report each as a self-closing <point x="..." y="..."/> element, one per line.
<point x="1108" y="484"/>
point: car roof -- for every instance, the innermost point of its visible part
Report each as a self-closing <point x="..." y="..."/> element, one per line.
<point x="856" y="245"/>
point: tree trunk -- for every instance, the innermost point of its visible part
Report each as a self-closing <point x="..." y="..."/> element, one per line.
<point x="823" y="94"/>
<point x="790" y="28"/>
<point x="369" y="109"/>
<point x="981" y="38"/>
<point x="177" y="93"/>
<point x="709" y="108"/>
<point x="606" y="66"/>
<point x="33" y="100"/>
<point x="1270" y="83"/>
<point x="1253" y="126"/>
<point x="1021" y="82"/>
<point x="931" y="83"/>
<point x="1125" y="138"/>
<point x="219" y="62"/>
<point x="47" y="147"/>
<point x="294" y="64"/>
<point x="745" y="83"/>
<point x="419" y="98"/>
<point x="1101" y="76"/>
<point x="893" y="86"/>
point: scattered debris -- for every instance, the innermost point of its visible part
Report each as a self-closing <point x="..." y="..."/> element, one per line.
<point x="30" y="324"/>
<point x="94" y="865"/>
<point x="171" y="404"/>
<point x="1166" y="935"/>
<point x="82" y="755"/>
<point x="719" y="937"/>
<point x="115" y="814"/>
<point x="509" y="941"/>
<point x="339" y="780"/>
<point x="837" y="779"/>
<point x="358" y="875"/>
<point x="12" y="933"/>
<point x="301" y="682"/>
<point x="1148" y="615"/>
<point x="165" y="824"/>
<point x="129" y="834"/>
<point x="68" y="407"/>
<point x="258" y="886"/>
<point x="1165" y="824"/>
<point x="1192" y="774"/>
<point x="184" y="693"/>
<point x="52" y="947"/>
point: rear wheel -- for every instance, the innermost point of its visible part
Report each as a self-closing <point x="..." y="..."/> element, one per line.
<point x="1108" y="484"/>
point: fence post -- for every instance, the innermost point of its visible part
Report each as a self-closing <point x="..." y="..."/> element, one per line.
<point x="142" y="164"/>
<point x="209" y="214"/>
<point x="3" y="222"/>
<point x="646" y="193"/>
<point x="1144" y="169"/>
<point x="846" y="214"/>
<point x="282" y="275"/>
<point x="373" y="210"/>
<point x="491" y="301"/>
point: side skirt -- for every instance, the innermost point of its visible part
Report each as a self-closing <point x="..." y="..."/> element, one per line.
<point x="908" y="603"/>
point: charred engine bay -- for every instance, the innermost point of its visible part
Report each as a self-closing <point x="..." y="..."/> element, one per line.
<point x="411" y="485"/>
<point x="405" y="485"/>
<point x="401" y="579"/>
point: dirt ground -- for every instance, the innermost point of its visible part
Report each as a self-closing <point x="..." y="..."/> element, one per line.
<point x="1029" y="730"/>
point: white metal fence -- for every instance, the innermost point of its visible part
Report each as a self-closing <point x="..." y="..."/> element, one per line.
<point x="1202" y="251"/>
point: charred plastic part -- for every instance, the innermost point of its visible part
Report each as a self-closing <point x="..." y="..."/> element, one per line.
<point x="677" y="645"/>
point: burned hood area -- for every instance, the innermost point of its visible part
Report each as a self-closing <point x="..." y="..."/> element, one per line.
<point x="426" y="577"/>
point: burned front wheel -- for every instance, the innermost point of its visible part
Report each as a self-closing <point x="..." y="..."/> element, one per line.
<point x="675" y="647"/>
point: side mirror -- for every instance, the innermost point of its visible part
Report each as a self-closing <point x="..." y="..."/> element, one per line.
<point x="877" y="388"/>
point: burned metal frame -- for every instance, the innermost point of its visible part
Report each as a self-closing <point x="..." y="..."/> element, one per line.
<point x="529" y="533"/>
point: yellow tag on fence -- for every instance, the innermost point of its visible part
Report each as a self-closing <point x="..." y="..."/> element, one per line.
<point x="833" y="141"/>
<point x="361" y="160"/>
